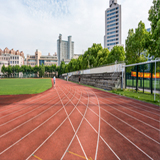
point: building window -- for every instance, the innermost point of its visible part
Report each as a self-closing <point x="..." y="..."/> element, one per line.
<point x="116" y="39"/>
<point x="113" y="36"/>
<point x="10" y="62"/>
<point x="112" y="13"/>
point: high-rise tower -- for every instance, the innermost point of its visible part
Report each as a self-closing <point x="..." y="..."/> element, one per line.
<point x="65" y="49"/>
<point x="112" y="25"/>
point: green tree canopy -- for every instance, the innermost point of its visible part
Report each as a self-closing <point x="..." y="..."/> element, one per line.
<point x="117" y="54"/>
<point x="3" y="69"/>
<point x="41" y="70"/>
<point x="154" y="18"/>
<point x="136" y="45"/>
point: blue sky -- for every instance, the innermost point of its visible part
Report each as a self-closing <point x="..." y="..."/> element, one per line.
<point x="27" y="25"/>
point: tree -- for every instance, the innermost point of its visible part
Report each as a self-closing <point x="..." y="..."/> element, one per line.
<point x="9" y="70"/>
<point x="36" y="69"/>
<point x="117" y="54"/>
<point x="102" y="56"/>
<point x="154" y="18"/>
<point x="3" y="69"/>
<point x="136" y="45"/>
<point x="41" y="70"/>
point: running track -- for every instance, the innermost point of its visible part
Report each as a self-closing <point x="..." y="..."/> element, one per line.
<point x="85" y="121"/>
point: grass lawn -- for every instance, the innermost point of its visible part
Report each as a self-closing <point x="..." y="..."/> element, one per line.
<point x="146" y="83"/>
<point x="146" y="97"/>
<point x="24" y="86"/>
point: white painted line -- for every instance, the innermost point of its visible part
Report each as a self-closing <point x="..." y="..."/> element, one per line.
<point x="24" y="108"/>
<point x="139" y="103"/>
<point x="98" y="128"/>
<point x="31" y="132"/>
<point x="135" y="107"/>
<point x="131" y="126"/>
<point x="25" y="113"/>
<point x="134" y="118"/>
<point x="124" y="136"/>
<point x="51" y="133"/>
<point x="73" y="127"/>
<point x="83" y="116"/>
<point x="19" y="103"/>
<point x="135" y="112"/>
<point x="100" y="136"/>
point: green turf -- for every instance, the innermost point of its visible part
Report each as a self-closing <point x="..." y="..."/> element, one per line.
<point x="146" y="83"/>
<point x="24" y="86"/>
<point x="147" y="97"/>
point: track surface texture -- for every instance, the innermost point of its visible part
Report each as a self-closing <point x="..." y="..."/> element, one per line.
<point x="74" y="122"/>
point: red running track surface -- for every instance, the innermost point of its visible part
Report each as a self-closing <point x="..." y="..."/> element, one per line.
<point x="89" y="123"/>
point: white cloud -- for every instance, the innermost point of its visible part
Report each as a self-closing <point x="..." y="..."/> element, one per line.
<point x="28" y="25"/>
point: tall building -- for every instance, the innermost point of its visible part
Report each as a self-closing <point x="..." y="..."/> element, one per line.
<point x="112" y="25"/>
<point x="65" y="50"/>
<point x="38" y="59"/>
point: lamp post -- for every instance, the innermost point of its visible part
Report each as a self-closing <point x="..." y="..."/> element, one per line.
<point x="155" y="80"/>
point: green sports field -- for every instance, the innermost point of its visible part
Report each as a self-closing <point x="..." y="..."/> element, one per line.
<point x="146" y="83"/>
<point x="24" y="86"/>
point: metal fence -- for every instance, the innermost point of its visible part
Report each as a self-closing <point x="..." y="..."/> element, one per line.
<point x="144" y="76"/>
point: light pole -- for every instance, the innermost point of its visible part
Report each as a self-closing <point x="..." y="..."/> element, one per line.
<point x="155" y="80"/>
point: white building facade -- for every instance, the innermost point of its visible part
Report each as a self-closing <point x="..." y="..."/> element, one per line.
<point x="65" y="50"/>
<point x="112" y="25"/>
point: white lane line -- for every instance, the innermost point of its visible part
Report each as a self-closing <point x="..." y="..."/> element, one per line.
<point x="133" y="101"/>
<point x="26" y="113"/>
<point x="123" y="136"/>
<point x="52" y="132"/>
<point x="100" y="135"/>
<point x="134" y="107"/>
<point x="133" y="111"/>
<point x="31" y="132"/>
<point x="130" y="125"/>
<point x="76" y="130"/>
<point x="32" y="118"/>
<point x="134" y="118"/>
<point x="21" y="102"/>
<point x="98" y="127"/>
<point x="24" y="108"/>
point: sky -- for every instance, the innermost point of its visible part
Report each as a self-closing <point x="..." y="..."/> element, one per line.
<point x="27" y="25"/>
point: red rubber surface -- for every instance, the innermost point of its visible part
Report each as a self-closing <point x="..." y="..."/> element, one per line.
<point x="88" y="122"/>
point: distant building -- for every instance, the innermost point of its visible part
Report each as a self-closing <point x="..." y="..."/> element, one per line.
<point x="76" y="56"/>
<point x="12" y="57"/>
<point x="65" y="50"/>
<point x="112" y="25"/>
<point x="38" y="59"/>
